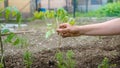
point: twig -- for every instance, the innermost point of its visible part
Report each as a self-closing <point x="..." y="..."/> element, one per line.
<point x="20" y="32"/>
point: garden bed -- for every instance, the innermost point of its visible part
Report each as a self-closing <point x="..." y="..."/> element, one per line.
<point x="89" y="51"/>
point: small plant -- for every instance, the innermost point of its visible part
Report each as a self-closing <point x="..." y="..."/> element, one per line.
<point x="14" y="39"/>
<point x="23" y="42"/>
<point x="57" y="18"/>
<point x="105" y="64"/>
<point x="53" y="20"/>
<point x="14" y="12"/>
<point x="65" y="60"/>
<point x="60" y="16"/>
<point x="27" y="59"/>
<point x="5" y="32"/>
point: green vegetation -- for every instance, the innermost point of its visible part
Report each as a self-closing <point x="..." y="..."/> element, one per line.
<point x="38" y="15"/>
<point x="105" y="64"/>
<point x="27" y="59"/>
<point x="108" y="10"/>
<point x="14" y="12"/>
<point x="58" y="17"/>
<point x="11" y="37"/>
<point x="65" y="60"/>
<point x="53" y="19"/>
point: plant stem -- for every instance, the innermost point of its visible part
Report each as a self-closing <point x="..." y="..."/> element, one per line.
<point x="59" y="38"/>
<point x="57" y="22"/>
<point x="2" y="50"/>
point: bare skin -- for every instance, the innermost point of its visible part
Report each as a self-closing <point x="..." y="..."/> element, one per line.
<point x="111" y="27"/>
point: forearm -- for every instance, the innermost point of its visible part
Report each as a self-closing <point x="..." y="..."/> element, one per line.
<point x="106" y="28"/>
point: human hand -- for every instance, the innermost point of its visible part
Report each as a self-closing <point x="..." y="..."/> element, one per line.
<point x="66" y="30"/>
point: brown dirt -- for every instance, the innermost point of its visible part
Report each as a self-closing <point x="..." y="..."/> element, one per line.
<point x="88" y="56"/>
<point x="89" y="51"/>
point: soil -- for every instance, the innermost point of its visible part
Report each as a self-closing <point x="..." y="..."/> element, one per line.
<point x="89" y="51"/>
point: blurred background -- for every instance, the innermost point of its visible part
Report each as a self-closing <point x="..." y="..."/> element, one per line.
<point x="27" y="7"/>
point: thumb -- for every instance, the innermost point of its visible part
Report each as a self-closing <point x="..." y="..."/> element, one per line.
<point x="62" y="30"/>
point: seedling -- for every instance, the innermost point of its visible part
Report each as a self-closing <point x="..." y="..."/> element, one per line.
<point x="53" y="20"/>
<point x="27" y="59"/>
<point x="15" y="13"/>
<point x="105" y="64"/>
<point x="60" y="17"/>
<point x="65" y="60"/>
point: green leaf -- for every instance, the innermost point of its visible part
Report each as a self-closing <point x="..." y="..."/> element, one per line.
<point x="10" y="37"/>
<point x="19" y="17"/>
<point x="38" y="15"/>
<point x="72" y="21"/>
<point x="50" y="14"/>
<point x="104" y="64"/>
<point x="27" y="59"/>
<point x="14" y="11"/>
<point x="16" y="42"/>
<point x="41" y="15"/>
<point x="7" y="12"/>
<point x="61" y="13"/>
<point x="5" y="31"/>
<point x="59" y="57"/>
<point x="65" y="19"/>
<point x="48" y="34"/>
<point x="70" y="54"/>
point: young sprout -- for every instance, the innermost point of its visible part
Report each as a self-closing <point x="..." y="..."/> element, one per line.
<point x="71" y="21"/>
<point x="65" y="19"/>
<point x="105" y="64"/>
<point x="65" y="60"/>
<point x="61" y="13"/>
<point x="27" y="59"/>
<point x="50" y="30"/>
<point x="61" y="16"/>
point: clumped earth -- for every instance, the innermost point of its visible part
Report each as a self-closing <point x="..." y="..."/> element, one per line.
<point x="89" y="51"/>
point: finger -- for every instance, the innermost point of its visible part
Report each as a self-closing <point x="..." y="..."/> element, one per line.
<point x="62" y="30"/>
<point x="64" y="25"/>
<point x="59" y="31"/>
<point x="66" y="35"/>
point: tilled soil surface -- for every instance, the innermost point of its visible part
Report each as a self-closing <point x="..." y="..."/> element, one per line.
<point x="89" y="51"/>
<point x="88" y="56"/>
